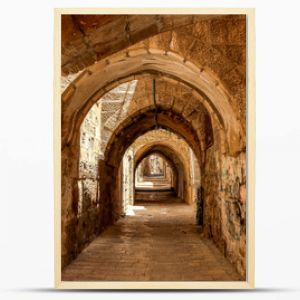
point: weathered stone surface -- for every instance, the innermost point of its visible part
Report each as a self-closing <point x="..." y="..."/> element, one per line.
<point x="162" y="252"/>
<point x="243" y="193"/>
<point x="88" y="38"/>
<point x="180" y="155"/>
<point x="216" y="42"/>
<point x="198" y="63"/>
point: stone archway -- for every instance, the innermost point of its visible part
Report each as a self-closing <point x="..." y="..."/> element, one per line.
<point x="100" y="78"/>
<point x="97" y="39"/>
<point x="157" y="177"/>
<point x="126" y="133"/>
<point x="175" y="159"/>
<point x="221" y="155"/>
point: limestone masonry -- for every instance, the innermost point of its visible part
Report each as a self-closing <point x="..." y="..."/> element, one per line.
<point x="154" y="109"/>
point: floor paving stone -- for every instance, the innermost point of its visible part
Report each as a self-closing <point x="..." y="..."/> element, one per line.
<point x="160" y="241"/>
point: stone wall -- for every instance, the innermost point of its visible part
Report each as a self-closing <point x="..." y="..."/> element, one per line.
<point x="128" y="179"/>
<point x="114" y="109"/>
<point x="200" y="70"/>
<point x="89" y="212"/>
<point x="224" y="189"/>
<point x="181" y="147"/>
<point x="90" y="141"/>
<point x="154" y="172"/>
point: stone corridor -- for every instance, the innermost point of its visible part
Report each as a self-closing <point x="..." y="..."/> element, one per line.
<point x="153" y="103"/>
<point x="155" y="241"/>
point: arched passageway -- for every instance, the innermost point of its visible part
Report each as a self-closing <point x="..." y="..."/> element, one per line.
<point x="157" y="100"/>
<point x="155" y="178"/>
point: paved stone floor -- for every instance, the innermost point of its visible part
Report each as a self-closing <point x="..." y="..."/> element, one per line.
<point x="156" y="241"/>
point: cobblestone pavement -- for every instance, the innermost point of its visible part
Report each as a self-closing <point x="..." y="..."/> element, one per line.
<point x="156" y="241"/>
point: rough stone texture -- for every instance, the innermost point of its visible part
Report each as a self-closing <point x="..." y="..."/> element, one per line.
<point x="155" y="173"/>
<point x="93" y="84"/>
<point x="136" y="248"/>
<point x="128" y="179"/>
<point x="216" y="42"/>
<point x="225" y="205"/>
<point x="199" y="67"/>
<point x="115" y="109"/>
<point x="86" y="39"/>
<point x="174" y="147"/>
<point x="155" y="196"/>
<point x="90" y="141"/>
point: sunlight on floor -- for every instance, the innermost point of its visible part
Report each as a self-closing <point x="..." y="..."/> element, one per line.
<point x="131" y="208"/>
